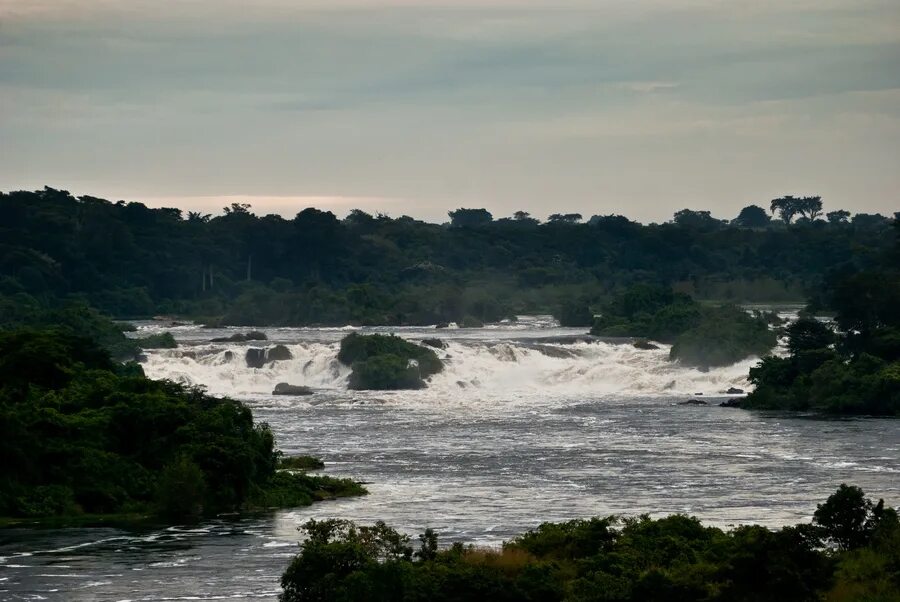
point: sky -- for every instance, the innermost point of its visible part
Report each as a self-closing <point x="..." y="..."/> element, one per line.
<point x="634" y="107"/>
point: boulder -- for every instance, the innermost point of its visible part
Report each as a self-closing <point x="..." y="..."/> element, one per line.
<point x="278" y="353"/>
<point x="436" y="343"/>
<point x="734" y="391"/>
<point x="693" y="402"/>
<point x="442" y="325"/>
<point x="289" y="389"/>
<point x="255" y="357"/>
<point x="735" y="402"/>
<point x="240" y="337"/>
<point x="645" y="344"/>
<point x="228" y="356"/>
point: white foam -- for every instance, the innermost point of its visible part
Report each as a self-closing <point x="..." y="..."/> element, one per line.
<point x="501" y="369"/>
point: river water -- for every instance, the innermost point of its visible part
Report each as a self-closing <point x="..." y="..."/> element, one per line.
<point x="528" y="423"/>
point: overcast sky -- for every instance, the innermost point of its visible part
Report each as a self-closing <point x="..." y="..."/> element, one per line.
<point x="416" y="107"/>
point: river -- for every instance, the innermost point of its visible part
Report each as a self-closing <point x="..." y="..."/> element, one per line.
<point x="528" y="423"/>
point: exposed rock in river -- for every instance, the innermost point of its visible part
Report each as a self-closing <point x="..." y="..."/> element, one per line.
<point x="289" y="389"/>
<point x="693" y="402"/>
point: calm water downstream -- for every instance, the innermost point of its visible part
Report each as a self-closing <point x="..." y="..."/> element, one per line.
<point x="525" y="425"/>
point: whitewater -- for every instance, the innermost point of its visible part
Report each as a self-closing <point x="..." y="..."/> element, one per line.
<point x="527" y="423"/>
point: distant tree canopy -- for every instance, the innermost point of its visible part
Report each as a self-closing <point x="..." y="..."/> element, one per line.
<point x="470" y="218"/>
<point x="239" y="268"/>
<point x="752" y="216"/>
<point x="849" y="367"/>
<point x="788" y="207"/>
<point x="564" y="218"/>
<point x="695" y="219"/>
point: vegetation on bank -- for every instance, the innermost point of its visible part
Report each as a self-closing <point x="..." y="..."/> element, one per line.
<point x="850" y="551"/>
<point x="700" y="335"/>
<point x="850" y="366"/>
<point x="242" y="269"/>
<point x="82" y="435"/>
<point x="301" y="463"/>
<point x="383" y="362"/>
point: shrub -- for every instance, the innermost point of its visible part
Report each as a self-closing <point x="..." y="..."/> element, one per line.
<point x="163" y="340"/>
<point x="387" y="362"/>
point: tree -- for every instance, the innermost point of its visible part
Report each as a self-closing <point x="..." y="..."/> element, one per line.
<point x="470" y="218"/>
<point x="564" y="218"/>
<point x="807" y="335"/>
<point x="810" y="207"/>
<point x="695" y="219"/>
<point x="848" y="518"/>
<point x="752" y="216"/>
<point x="786" y="207"/>
<point x="237" y="208"/>
<point x="841" y="216"/>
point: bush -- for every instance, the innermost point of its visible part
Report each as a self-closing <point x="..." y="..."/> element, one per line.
<point x="163" y="340"/>
<point x="386" y="372"/>
<point x="387" y="362"/>
<point x="700" y="335"/>
<point x="301" y="463"/>
<point x="636" y="559"/>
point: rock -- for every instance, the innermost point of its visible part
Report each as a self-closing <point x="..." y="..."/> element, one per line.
<point x="278" y="353"/>
<point x="442" y="325"/>
<point x="698" y="394"/>
<point x="240" y="337"/>
<point x="736" y="402"/>
<point x="693" y="402"/>
<point x="471" y="322"/>
<point x="734" y="391"/>
<point x="255" y="358"/>
<point x="289" y="389"/>
<point x="436" y="343"/>
<point x="555" y="352"/>
<point x="228" y="356"/>
<point x="644" y="344"/>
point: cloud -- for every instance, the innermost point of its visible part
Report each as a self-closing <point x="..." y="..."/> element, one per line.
<point x="609" y="105"/>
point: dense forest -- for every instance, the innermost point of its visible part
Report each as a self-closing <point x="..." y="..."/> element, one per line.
<point x="239" y="268"/>
<point x="848" y="366"/>
<point x="83" y="436"/>
<point x="849" y="553"/>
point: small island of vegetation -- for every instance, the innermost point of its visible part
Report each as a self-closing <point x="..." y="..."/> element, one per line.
<point x="384" y="362"/>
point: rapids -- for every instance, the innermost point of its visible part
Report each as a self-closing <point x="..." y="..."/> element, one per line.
<point x="528" y="423"/>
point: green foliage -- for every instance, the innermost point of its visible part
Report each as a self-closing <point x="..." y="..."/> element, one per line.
<point x="385" y="372"/>
<point x="854" y="370"/>
<point x="637" y="559"/>
<point x="164" y="340"/>
<point x="79" y="434"/>
<point x="301" y="463"/>
<point x="181" y="490"/>
<point x="288" y="490"/>
<point x="700" y="335"/>
<point x="131" y="260"/>
<point x="387" y="362"/>
<point x="575" y="312"/>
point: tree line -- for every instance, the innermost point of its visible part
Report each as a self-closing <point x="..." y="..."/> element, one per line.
<point x="240" y="268"/>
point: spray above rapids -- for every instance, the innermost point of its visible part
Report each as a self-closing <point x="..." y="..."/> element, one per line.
<point x="491" y="365"/>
